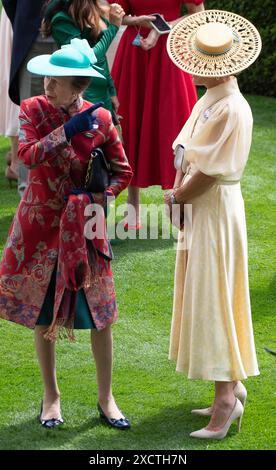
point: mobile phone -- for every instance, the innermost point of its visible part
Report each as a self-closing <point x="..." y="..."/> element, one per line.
<point x="159" y="24"/>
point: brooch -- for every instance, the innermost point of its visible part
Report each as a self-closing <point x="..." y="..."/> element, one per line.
<point x="207" y="113"/>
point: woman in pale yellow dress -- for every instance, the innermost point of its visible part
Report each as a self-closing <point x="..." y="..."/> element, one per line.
<point x="211" y="332"/>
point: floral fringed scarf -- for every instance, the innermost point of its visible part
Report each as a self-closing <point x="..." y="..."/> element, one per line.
<point x="80" y="260"/>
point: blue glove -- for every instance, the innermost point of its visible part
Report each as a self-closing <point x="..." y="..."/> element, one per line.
<point x="81" y="122"/>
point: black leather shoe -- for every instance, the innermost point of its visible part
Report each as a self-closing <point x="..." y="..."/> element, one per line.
<point x="122" y="423"/>
<point x="49" y="423"/>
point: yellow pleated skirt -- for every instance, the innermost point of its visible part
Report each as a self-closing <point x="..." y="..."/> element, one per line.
<point x="211" y="332"/>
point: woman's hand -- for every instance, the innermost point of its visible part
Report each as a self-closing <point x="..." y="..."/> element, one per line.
<point x="150" y="41"/>
<point x="167" y="198"/>
<point x="116" y="14"/>
<point x="175" y="211"/>
<point x="81" y="122"/>
<point x="115" y="103"/>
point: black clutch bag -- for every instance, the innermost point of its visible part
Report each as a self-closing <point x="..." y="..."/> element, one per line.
<point x="98" y="172"/>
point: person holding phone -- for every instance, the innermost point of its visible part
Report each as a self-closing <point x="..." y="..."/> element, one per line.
<point x="155" y="97"/>
<point x="52" y="278"/>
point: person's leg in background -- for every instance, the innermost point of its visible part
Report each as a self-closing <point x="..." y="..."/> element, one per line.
<point x="11" y="171"/>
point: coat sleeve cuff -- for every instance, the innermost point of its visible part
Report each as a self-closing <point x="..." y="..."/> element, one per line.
<point x="55" y="140"/>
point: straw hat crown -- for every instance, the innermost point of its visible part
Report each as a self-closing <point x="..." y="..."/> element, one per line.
<point x="214" y="38"/>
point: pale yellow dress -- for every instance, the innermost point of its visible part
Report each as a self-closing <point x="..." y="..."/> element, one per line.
<point x="211" y="332"/>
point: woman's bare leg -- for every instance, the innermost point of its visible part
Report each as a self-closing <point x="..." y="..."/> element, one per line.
<point x="223" y="405"/>
<point x="14" y="151"/>
<point x="134" y="200"/>
<point x="101" y="342"/>
<point x="46" y="357"/>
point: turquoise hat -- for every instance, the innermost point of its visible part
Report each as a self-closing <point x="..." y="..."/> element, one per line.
<point x="72" y="60"/>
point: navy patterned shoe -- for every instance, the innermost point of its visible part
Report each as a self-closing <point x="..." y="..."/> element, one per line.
<point x="49" y="423"/>
<point x="122" y="423"/>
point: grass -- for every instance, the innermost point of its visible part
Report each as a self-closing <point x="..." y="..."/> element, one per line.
<point x="157" y="400"/>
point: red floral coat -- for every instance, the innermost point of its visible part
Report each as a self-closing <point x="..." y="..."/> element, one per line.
<point x="56" y="167"/>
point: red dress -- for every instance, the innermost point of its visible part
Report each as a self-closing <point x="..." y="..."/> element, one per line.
<point x="156" y="98"/>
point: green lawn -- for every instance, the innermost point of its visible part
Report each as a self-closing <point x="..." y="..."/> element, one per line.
<point x="156" y="399"/>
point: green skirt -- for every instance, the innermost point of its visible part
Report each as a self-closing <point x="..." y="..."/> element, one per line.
<point x="83" y="317"/>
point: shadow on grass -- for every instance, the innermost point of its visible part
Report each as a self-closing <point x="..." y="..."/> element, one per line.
<point x="263" y="301"/>
<point x="166" y="430"/>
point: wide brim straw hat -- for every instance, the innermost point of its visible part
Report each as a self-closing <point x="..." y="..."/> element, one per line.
<point x="214" y="43"/>
<point x="76" y="59"/>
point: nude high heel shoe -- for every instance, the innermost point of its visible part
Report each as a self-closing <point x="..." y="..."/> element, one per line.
<point x="236" y="414"/>
<point x="240" y="392"/>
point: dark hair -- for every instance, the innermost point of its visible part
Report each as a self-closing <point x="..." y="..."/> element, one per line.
<point x="80" y="83"/>
<point x="85" y="13"/>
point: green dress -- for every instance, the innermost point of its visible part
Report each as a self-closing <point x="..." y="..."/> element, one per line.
<point x="64" y="29"/>
<point x="83" y="317"/>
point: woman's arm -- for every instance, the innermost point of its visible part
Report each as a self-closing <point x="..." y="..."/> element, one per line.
<point x="111" y="86"/>
<point x="151" y="40"/>
<point x="143" y="20"/>
<point x="178" y="179"/>
<point x="32" y="150"/>
<point x="194" y="6"/>
<point x="191" y="8"/>
<point x="197" y="184"/>
<point x="128" y="19"/>
<point x="113" y="94"/>
<point x="100" y="49"/>
<point x="64" y="29"/>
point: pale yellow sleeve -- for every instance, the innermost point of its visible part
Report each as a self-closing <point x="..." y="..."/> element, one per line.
<point x="218" y="148"/>
<point x="185" y="132"/>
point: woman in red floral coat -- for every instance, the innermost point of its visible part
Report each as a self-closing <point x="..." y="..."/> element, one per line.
<point x="47" y="279"/>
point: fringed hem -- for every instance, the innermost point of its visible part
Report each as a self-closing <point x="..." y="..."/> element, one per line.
<point x="59" y="330"/>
